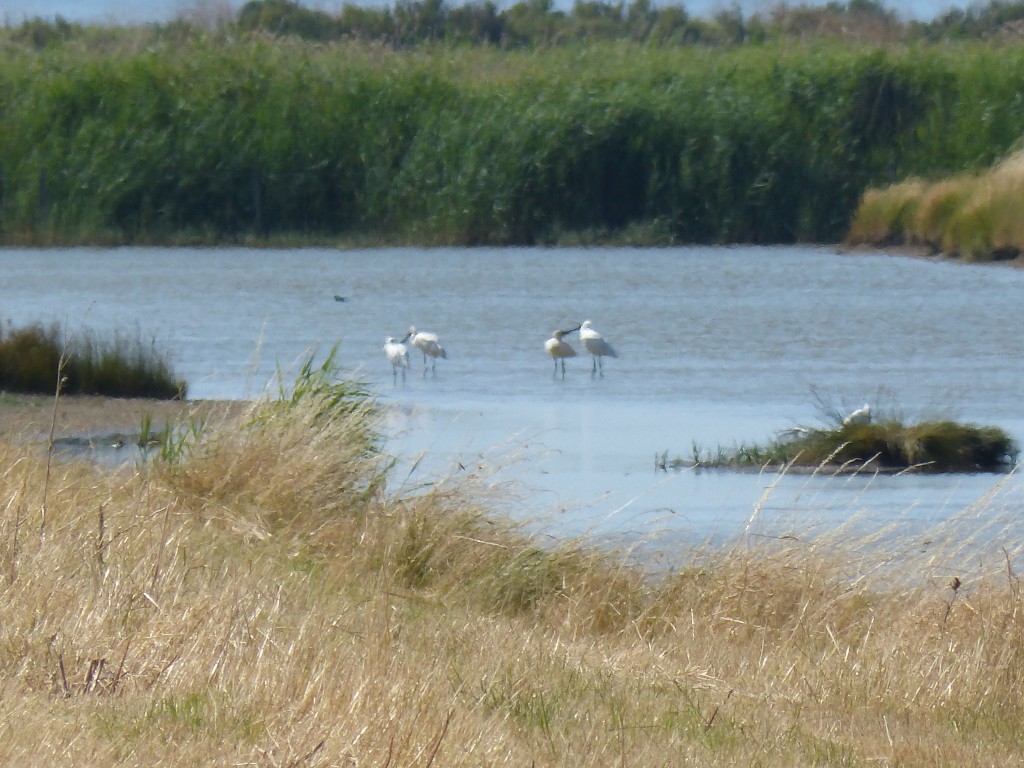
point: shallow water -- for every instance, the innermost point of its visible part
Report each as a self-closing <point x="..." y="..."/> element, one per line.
<point x="718" y="346"/>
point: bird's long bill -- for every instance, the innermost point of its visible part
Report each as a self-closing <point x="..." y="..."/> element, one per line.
<point x="570" y="330"/>
<point x="405" y="338"/>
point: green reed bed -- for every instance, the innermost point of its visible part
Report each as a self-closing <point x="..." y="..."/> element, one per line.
<point x="888" y="445"/>
<point x="251" y="139"/>
<point x="34" y="357"/>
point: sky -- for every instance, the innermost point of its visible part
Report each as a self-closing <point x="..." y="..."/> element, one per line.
<point x="143" y="11"/>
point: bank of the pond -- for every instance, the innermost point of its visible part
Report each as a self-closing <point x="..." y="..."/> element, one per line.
<point x="30" y="416"/>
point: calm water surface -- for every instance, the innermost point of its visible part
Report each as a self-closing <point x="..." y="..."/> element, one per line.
<point x="718" y="346"/>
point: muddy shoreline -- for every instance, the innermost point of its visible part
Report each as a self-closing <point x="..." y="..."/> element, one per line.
<point x="926" y="253"/>
<point x="31" y="416"/>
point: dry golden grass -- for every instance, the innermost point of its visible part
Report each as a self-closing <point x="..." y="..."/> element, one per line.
<point x="975" y="216"/>
<point x="884" y="214"/>
<point x="264" y="600"/>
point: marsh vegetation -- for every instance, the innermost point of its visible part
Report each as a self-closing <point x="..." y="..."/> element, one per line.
<point x="256" y="135"/>
<point x="879" y="439"/>
<point x="40" y="359"/>
<point x="974" y="216"/>
<point x="889" y="445"/>
<point x="261" y="596"/>
<point x="258" y="594"/>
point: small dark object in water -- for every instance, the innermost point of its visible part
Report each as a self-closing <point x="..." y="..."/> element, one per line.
<point x="338" y="298"/>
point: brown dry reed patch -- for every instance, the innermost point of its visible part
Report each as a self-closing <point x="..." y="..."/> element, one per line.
<point x="973" y="216"/>
<point x="263" y="598"/>
<point x="884" y="215"/>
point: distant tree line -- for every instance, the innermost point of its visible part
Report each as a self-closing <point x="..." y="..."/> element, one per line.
<point x="538" y="23"/>
<point x="530" y="23"/>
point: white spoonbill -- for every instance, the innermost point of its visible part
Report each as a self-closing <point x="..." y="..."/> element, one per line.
<point x="559" y="349"/>
<point x="861" y="416"/>
<point x="596" y="345"/>
<point x="397" y="355"/>
<point x="428" y="344"/>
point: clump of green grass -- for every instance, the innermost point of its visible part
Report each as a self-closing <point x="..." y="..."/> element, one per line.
<point x="888" y="444"/>
<point x="33" y="358"/>
<point x="929" y="446"/>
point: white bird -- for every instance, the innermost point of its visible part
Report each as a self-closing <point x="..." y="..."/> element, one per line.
<point x="596" y="345"/>
<point x="559" y="349"/>
<point x="428" y="344"/>
<point x="861" y="416"/>
<point x="397" y="355"/>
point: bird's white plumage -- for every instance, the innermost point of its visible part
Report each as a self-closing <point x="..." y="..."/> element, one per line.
<point x="596" y="345"/>
<point x="397" y="355"/>
<point x="559" y="349"/>
<point x="428" y="344"/>
<point x="860" y="416"/>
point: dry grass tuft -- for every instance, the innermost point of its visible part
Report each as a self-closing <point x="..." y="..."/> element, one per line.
<point x="885" y="215"/>
<point x="261" y="598"/>
<point x="975" y="216"/>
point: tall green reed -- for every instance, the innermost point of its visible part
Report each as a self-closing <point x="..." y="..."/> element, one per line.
<point x="231" y="140"/>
